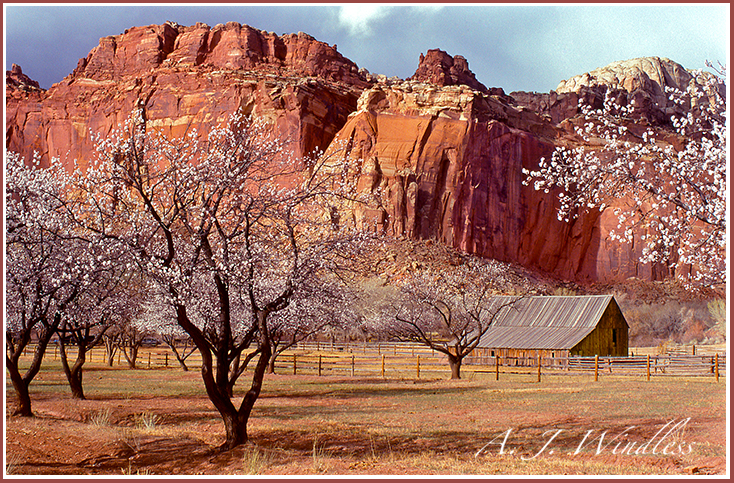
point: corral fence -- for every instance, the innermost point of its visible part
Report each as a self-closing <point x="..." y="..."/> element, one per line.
<point x="405" y="360"/>
<point x="649" y="365"/>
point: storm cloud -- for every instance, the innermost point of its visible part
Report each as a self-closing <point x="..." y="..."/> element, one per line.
<point x="516" y="47"/>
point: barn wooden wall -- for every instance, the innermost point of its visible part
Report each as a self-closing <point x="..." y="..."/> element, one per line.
<point x="600" y="341"/>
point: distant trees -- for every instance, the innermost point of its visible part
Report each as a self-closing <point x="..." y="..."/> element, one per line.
<point x="160" y="319"/>
<point x="229" y="232"/>
<point x="111" y="300"/>
<point x="448" y="311"/>
<point x="320" y="308"/>
<point x="667" y="191"/>
<point x="60" y="279"/>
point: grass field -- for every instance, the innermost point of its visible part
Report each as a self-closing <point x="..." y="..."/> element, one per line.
<point x="159" y="421"/>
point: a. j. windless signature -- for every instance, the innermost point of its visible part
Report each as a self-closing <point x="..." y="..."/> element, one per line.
<point x="668" y="440"/>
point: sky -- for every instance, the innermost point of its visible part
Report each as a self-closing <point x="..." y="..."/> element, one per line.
<point x="518" y="47"/>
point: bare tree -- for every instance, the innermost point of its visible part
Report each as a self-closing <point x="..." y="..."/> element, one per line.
<point x="181" y="345"/>
<point x="130" y="340"/>
<point x="111" y="338"/>
<point x="228" y="229"/>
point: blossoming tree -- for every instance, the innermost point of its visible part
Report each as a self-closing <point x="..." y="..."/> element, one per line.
<point x="448" y="310"/>
<point x="229" y="228"/>
<point x="667" y="190"/>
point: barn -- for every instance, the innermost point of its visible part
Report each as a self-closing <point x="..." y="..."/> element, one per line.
<point x="554" y="326"/>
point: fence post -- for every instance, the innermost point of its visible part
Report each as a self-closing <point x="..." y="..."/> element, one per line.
<point x="418" y="367"/>
<point x="148" y="360"/>
<point x="294" y="363"/>
<point x="352" y="365"/>
<point x="716" y="366"/>
<point x="383" y="365"/>
<point x="596" y="367"/>
<point x="319" y="364"/>
<point x="694" y="349"/>
<point x="648" y="367"/>
<point x="166" y="358"/>
<point x="497" y="367"/>
<point x="538" y="367"/>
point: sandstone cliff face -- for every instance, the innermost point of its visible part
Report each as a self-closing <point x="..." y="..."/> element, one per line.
<point x="444" y="153"/>
<point x="447" y="163"/>
<point x="22" y="95"/>
<point x="183" y="77"/>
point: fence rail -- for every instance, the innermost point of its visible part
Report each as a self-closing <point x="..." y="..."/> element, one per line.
<point x="401" y="360"/>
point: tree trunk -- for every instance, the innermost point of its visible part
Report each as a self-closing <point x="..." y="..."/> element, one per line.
<point x="20" y="382"/>
<point x="237" y="434"/>
<point x="21" y="389"/>
<point x="236" y="424"/>
<point x="74" y="373"/>
<point x="109" y="344"/>
<point x="75" y="383"/>
<point x="455" y="365"/>
<point x="132" y="357"/>
<point x="273" y="357"/>
<point x="271" y="364"/>
<point x="235" y="429"/>
<point x="179" y="356"/>
<point x="183" y="365"/>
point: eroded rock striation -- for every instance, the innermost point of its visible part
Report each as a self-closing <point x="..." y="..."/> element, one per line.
<point x="447" y="163"/>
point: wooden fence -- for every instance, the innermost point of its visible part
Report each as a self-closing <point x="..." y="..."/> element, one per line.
<point x="403" y="360"/>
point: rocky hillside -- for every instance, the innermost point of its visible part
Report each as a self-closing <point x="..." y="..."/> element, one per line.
<point x="445" y="152"/>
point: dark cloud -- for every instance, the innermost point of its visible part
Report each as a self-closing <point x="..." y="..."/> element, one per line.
<point x="513" y="47"/>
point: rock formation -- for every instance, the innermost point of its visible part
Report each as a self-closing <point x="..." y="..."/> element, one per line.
<point x="644" y="78"/>
<point x="443" y="152"/>
<point x="184" y="77"/>
<point x="642" y="82"/>
<point x="447" y="163"/>
<point x="16" y="80"/>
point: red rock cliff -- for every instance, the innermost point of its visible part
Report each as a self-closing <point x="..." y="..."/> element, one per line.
<point x="190" y="76"/>
<point x="447" y="163"/>
<point x="444" y="153"/>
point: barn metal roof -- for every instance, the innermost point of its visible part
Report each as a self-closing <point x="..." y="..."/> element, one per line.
<point x="544" y="322"/>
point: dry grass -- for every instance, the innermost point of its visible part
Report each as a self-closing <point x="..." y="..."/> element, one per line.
<point x="161" y="422"/>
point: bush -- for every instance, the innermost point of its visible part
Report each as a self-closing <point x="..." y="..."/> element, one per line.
<point x="681" y="322"/>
